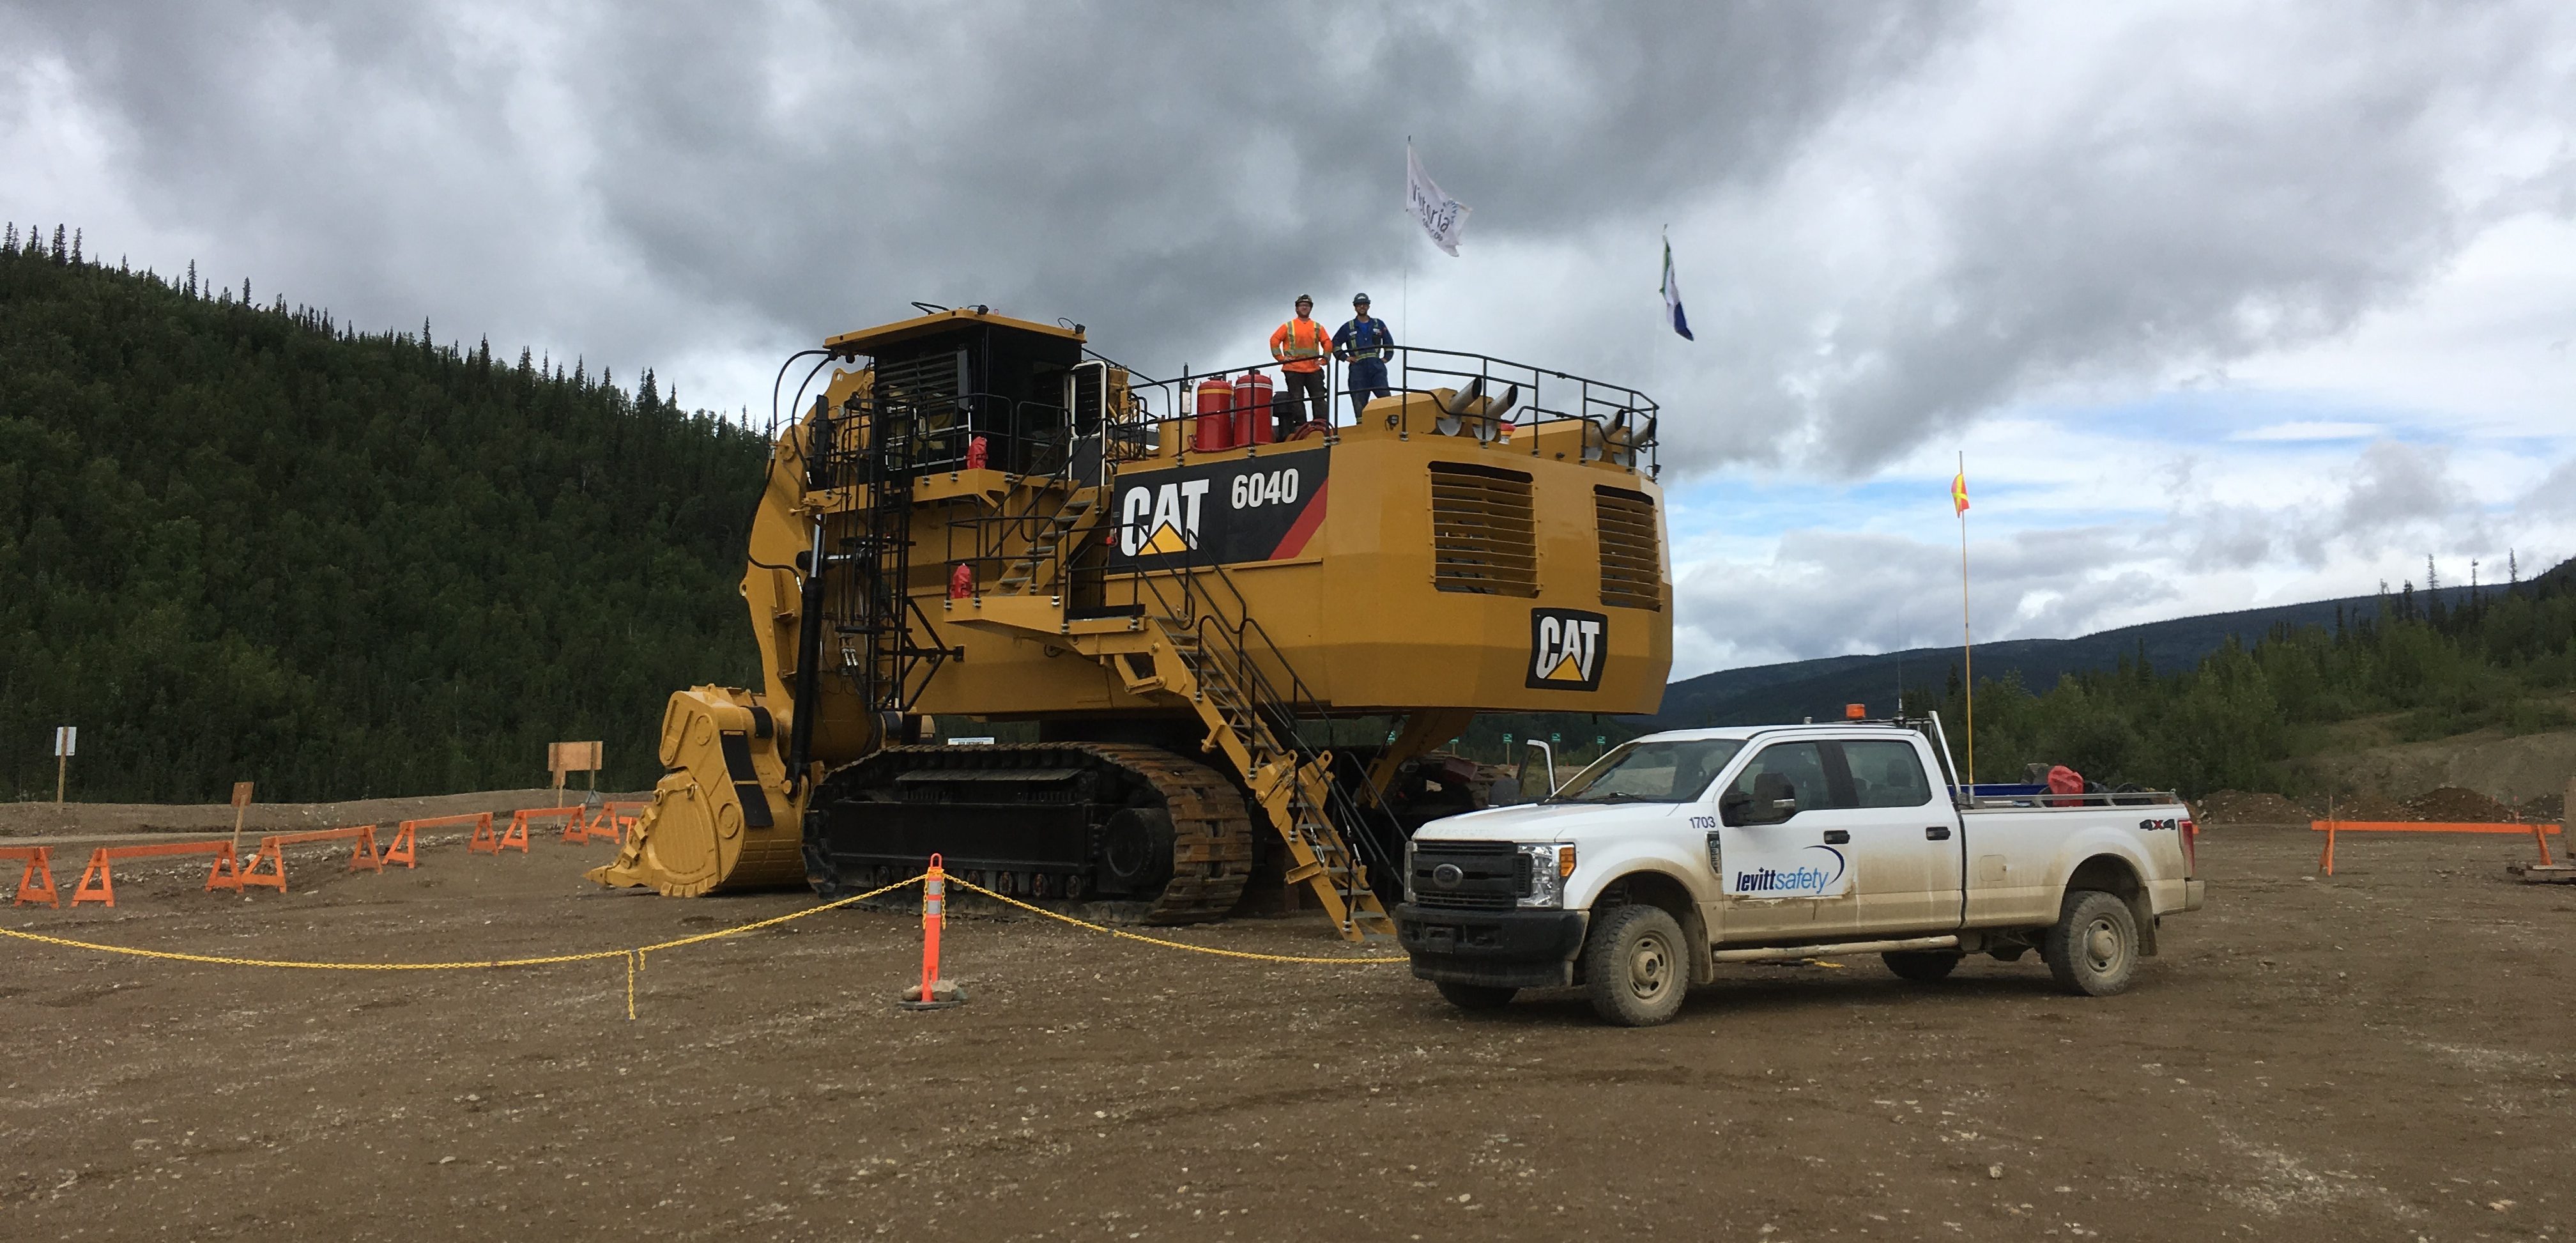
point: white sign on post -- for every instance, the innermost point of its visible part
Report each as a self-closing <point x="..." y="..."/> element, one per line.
<point x="66" y="741"/>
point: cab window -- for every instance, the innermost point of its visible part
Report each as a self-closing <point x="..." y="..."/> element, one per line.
<point x="1651" y="772"/>
<point x="1886" y="774"/>
<point x="1801" y="764"/>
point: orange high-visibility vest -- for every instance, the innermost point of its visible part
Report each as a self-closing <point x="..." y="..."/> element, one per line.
<point x="1299" y="345"/>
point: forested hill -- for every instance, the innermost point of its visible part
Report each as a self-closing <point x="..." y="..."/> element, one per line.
<point x="239" y="541"/>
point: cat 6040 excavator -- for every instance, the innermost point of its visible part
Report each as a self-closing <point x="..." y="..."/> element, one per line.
<point x="979" y="518"/>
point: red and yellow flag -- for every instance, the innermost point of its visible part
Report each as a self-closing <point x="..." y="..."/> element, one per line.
<point x="1959" y="492"/>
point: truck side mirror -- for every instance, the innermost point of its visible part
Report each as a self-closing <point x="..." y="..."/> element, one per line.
<point x="1548" y="755"/>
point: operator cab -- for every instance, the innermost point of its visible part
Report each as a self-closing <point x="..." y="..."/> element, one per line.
<point x="968" y="373"/>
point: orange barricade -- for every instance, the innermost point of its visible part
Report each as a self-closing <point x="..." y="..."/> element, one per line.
<point x="272" y="851"/>
<point x="405" y="840"/>
<point x="36" y="884"/>
<point x="517" y="834"/>
<point x="96" y="885"/>
<point x="608" y="825"/>
<point x="2325" y="863"/>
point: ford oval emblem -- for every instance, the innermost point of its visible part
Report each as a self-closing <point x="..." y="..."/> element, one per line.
<point x="1447" y="876"/>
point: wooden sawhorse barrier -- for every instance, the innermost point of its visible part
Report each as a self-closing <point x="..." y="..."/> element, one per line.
<point x="36" y="883"/>
<point x="96" y="885"/>
<point x="405" y="849"/>
<point x="272" y="851"/>
<point x="516" y="836"/>
<point x="609" y="825"/>
<point x="2325" y="863"/>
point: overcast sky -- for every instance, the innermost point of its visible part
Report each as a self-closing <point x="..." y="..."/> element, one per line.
<point x="2227" y="305"/>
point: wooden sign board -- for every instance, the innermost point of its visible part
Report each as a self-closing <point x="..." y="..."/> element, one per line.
<point x="572" y="757"/>
<point x="241" y="795"/>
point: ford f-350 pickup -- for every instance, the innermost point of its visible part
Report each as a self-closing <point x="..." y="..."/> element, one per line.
<point x="1678" y="852"/>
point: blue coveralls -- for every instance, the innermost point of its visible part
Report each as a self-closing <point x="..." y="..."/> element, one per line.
<point x="1365" y="344"/>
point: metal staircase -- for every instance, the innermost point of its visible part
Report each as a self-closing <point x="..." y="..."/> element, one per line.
<point x="1202" y="646"/>
<point x="1290" y="781"/>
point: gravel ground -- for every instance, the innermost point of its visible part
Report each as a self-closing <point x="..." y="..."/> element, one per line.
<point x="2379" y="1055"/>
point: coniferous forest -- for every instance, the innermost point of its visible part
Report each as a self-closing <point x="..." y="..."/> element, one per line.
<point x="242" y="541"/>
<point x="2505" y="661"/>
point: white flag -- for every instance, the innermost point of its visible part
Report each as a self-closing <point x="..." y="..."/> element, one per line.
<point x="1442" y="216"/>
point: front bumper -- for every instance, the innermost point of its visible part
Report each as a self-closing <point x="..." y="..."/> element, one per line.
<point x="1504" y="949"/>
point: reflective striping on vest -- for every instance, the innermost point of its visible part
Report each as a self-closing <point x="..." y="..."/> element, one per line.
<point x="1296" y="349"/>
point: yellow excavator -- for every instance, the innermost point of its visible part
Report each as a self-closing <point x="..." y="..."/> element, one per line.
<point x="1178" y="586"/>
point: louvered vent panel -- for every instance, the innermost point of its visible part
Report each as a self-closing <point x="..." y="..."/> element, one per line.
<point x="1630" y="561"/>
<point x="1483" y="538"/>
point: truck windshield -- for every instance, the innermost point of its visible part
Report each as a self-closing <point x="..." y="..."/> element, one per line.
<point x="1650" y="772"/>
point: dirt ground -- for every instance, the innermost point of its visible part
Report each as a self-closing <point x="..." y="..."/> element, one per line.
<point x="2379" y="1055"/>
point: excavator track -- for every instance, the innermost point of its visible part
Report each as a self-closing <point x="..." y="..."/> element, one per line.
<point x="1211" y="827"/>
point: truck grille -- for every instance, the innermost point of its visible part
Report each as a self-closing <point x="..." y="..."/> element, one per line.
<point x="1631" y="564"/>
<point x="1484" y="538"/>
<point x="1490" y="875"/>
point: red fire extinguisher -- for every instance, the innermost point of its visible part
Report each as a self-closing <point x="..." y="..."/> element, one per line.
<point x="1252" y="423"/>
<point x="961" y="581"/>
<point x="976" y="454"/>
<point x="1216" y="416"/>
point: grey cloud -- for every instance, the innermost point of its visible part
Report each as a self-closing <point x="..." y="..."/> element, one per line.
<point x="1831" y="593"/>
<point x="1904" y="216"/>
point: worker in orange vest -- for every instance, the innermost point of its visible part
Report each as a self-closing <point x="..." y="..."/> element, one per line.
<point x="1300" y="346"/>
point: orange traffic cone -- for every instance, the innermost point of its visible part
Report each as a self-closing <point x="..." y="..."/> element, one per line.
<point x="932" y="993"/>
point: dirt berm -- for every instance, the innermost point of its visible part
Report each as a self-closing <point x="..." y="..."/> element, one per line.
<point x="87" y="820"/>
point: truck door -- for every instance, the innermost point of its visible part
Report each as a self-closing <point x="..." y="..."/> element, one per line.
<point x="1776" y="865"/>
<point x="1907" y="865"/>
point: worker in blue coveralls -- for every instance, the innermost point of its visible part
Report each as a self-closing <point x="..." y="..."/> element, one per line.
<point x="1364" y="343"/>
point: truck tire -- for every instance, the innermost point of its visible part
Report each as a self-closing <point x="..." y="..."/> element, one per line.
<point x="1635" y="967"/>
<point x="2093" y="948"/>
<point x="1921" y="966"/>
<point x="1477" y="996"/>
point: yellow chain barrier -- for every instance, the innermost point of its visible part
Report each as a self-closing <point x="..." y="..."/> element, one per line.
<point x="1176" y="945"/>
<point x="634" y="957"/>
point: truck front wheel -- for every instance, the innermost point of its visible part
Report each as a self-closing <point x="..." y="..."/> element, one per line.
<point x="1635" y="967"/>
<point x="2093" y="949"/>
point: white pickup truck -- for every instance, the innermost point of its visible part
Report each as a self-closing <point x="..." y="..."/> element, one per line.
<point x="1677" y="852"/>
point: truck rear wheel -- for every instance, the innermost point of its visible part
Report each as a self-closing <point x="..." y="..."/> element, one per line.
<point x="1477" y="996"/>
<point x="1921" y="966"/>
<point x="1635" y="967"/>
<point x="2093" y="949"/>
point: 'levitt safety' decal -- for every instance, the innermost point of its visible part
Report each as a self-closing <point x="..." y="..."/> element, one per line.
<point x="1567" y="647"/>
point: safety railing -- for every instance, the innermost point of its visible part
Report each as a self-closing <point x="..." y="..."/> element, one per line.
<point x="1476" y="395"/>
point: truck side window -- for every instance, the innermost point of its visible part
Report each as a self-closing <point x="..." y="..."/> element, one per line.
<point x="1887" y="774"/>
<point x="1801" y="764"/>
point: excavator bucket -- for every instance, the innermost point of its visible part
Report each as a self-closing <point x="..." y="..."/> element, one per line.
<point x="719" y="820"/>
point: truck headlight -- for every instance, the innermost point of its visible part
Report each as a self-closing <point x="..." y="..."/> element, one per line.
<point x="1546" y="865"/>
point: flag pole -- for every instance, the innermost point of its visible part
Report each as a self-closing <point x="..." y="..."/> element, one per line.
<point x="1404" y="288"/>
<point x="1967" y="632"/>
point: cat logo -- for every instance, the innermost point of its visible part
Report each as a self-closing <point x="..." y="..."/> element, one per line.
<point x="1158" y="520"/>
<point x="1566" y="648"/>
